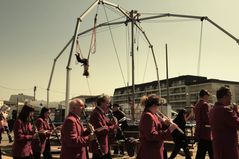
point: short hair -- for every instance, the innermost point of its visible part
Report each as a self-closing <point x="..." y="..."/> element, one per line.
<point x="74" y="103"/>
<point x="222" y="91"/>
<point x="203" y="92"/>
<point x="101" y="99"/>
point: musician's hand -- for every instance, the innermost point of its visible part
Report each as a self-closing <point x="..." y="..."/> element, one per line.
<point x="167" y="122"/>
<point x="116" y="126"/>
<point x="172" y="127"/>
<point x="36" y="136"/>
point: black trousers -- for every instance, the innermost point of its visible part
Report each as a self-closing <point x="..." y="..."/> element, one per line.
<point x="29" y="157"/>
<point x="96" y="156"/>
<point x="177" y="148"/>
<point x="46" y="153"/>
<point x="204" y="146"/>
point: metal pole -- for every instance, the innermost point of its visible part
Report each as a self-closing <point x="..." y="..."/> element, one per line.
<point x="52" y="70"/>
<point x="68" y="69"/>
<point x="34" y="90"/>
<point x="166" y="47"/>
<point x="132" y="55"/>
<point x="155" y="62"/>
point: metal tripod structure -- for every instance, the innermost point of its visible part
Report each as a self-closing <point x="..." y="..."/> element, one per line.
<point x="132" y="17"/>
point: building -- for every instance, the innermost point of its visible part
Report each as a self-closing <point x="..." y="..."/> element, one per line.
<point x="183" y="91"/>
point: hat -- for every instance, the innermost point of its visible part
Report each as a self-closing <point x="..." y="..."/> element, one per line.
<point x="203" y="92"/>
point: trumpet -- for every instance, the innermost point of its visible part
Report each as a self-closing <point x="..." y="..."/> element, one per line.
<point x="92" y="131"/>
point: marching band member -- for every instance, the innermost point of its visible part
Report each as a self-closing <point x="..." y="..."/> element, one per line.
<point x="4" y="124"/>
<point x="152" y="135"/>
<point x="42" y="144"/>
<point x="99" y="120"/>
<point x="202" y="129"/>
<point x="224" y="125"/>
<point x="23" y="134"/>
<point x="73" y="136"/>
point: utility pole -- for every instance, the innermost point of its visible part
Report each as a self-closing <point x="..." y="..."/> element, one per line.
<point x="35" y="88"/>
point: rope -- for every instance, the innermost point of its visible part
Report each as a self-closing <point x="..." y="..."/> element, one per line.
<point x="93" y="38"/>
<point x="200" y="49"/>
<point x="146" y="64"/>
<point x="88" y="85"/>
<point x="111" y="34"/>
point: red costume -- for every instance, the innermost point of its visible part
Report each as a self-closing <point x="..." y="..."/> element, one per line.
<point x="152" y="137"/>
<point x="73" y="138"/>
<point x="23" y="134"/>
<point x="41" y="125"/>
<point x="98" y="119"/>
<point x="202" y="129"/>
<point x="224" y="125"/>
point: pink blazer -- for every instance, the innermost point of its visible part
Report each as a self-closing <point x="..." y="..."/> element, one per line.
<point x="224" y="125"/>
<point x="41" y="125"/>
<point x="23" y="134"/>
<point x="202" y="131"/>
<point x="152" y="137"/>
<point x="73" y="138"/>
<point x="98" y="119"/>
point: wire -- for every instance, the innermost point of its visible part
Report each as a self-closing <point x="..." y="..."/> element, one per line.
<point x="99" y="30"/>
<point x="111" y="34"/>
<point x="16" y="89"/>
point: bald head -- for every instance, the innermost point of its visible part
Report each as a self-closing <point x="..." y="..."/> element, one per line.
<point x="76" y="106"/>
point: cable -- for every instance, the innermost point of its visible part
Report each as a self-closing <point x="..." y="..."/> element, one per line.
<point x="111" y="34"/>
<point x="14" y="89"/>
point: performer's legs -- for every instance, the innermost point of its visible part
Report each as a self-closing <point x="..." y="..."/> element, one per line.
<point x="175" y="151"/>
<point x="210" y="149"/>
<point x="47" y="151"/>
<point x="201" y="151"/>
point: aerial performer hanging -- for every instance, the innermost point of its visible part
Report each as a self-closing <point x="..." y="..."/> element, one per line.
<point x="79" y="55"/>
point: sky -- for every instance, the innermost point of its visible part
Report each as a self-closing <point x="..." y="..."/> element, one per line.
<point x="33" y="32"/>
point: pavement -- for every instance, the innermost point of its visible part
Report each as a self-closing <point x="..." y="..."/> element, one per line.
<point x="6" y="147"/>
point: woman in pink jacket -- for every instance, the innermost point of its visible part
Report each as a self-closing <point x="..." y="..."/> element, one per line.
<point x="23" y="134"/>
<point x="152" y="135"/>
<point x="42" y="144"/>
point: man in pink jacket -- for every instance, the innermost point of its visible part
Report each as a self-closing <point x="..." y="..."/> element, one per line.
<point x="224" y="126"/>
<point x="202" y="129"/>
<point x="73" y="136"/>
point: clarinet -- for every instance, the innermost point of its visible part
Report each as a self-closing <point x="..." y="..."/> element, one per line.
<point x="159" y="114"/>
<point x="92" y="131"/>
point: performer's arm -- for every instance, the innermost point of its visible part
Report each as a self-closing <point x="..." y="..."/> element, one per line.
<point x="19" y="135"/>
<point x="70" y="131"/>
<point x="150" y="130"/>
